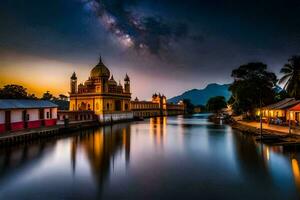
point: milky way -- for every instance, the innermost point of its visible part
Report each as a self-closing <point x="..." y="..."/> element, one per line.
<point x="134" y="30"/>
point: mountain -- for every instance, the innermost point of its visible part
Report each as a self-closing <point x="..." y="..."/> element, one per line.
<point x="201" y="96"/>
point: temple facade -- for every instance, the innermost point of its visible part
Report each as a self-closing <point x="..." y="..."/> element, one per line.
<point x="109" y="100"/>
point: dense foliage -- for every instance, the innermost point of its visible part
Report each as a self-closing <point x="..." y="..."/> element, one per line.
<point x="291" y="77"/>
<point x="253" y="86"/>
<point x="15" y="92"/>
<point x="216" y="104"/>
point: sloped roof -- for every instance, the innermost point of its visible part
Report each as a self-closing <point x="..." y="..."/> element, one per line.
<point x="284" y="104"/>
<point x="289" y="104"/>
<point x="24" y="103"/>
<point x="295" y="108"/>
<point x="280" y="103"/>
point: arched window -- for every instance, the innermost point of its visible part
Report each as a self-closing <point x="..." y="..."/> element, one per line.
<point x="126" y="106"/>
<point x="107" y="106"/>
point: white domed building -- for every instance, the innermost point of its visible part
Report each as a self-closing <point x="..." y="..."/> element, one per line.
<point x="101" y="94"/>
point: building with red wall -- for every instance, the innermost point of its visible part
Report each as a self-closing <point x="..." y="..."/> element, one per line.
<point x="18" y="114"/>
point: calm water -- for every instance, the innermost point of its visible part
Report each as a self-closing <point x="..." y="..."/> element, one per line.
<point x="160" y="158"/>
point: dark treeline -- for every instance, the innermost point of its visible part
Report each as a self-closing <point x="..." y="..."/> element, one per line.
<point x="13" y="91"/>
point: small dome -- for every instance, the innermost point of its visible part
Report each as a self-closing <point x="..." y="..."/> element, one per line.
<point x="100" y="70"/>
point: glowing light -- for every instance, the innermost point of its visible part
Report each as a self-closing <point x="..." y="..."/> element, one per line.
<point x="268" y="153"/>
<point x="295" y="167"/>
<point x="296" y="172"/>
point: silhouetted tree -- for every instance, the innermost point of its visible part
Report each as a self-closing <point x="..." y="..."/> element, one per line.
<point x="47" y="96"/>
<point x="291" y="77"/>
<point x="15" y="92"/>
<point x="189" y="106"/>
<point x="216" y="104"/>
<point x="63" y="97"/>
<point x="252" y="86"/>
<point x="281" y="95"/>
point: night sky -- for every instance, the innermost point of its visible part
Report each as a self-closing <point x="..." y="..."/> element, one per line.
<point x="167" y="46"/>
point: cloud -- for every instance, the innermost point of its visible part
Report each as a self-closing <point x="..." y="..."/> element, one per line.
<point x="141" y="32"/>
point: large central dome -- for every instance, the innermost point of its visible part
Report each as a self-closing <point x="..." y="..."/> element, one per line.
<point x="100" y="70"/>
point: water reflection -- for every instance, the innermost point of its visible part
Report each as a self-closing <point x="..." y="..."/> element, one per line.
<point x="100" y="147"/>
<point x="16" y="160"/>
<point x="296" y="172"/>
<point x="164" y="157"/>
<point x="157" y="129"/>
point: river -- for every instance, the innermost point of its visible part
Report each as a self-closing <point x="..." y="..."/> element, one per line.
<point x="159" y="158"/>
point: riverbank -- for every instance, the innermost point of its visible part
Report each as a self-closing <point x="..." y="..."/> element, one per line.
<point x="27" y="135"/>
<point x="269" y="136"/>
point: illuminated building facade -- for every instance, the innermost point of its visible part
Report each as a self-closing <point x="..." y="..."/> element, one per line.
<point x="157" y="107"/>
<point x="101" y="94"/>
<point x="285" y="110"/>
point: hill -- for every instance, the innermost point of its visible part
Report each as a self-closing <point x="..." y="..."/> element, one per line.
<point x="201" y="96"/>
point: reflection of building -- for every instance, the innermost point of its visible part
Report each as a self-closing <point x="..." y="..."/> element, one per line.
<point x="101" y="94"/>
<point x="23" y="114"/>
<point x="19" y="160"/>
<point x="157" y="107"/>
<point x="158" y="126"/>
<point x="101" y="148"/>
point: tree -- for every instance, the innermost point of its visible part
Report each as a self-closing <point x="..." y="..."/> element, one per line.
<point x="14" y="92"/>
<point x="189" y="106"/>
<point x="252" y="87"/>
<point x="281" y="95"/>
<point x="216" y="104"/>
<point x="291" y="77"/>
<point x="47" y="96"/>
<point x="63" y="97"/>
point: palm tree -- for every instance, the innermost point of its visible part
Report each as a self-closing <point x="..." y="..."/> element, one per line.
<point x="291" y="77"/>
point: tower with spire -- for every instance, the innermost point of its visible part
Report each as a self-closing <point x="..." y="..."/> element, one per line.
<point x="127" y="84"/>
<point x="73" y="83"/>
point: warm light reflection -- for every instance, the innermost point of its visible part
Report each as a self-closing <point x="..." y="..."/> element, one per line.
<point x="100" y="147"/>
<point x="158" y="127"/>
<point x="296" y="172"/>
<point x="268" y="153"/>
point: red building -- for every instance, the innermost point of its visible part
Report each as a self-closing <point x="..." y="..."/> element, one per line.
<point x="26" y="114"/>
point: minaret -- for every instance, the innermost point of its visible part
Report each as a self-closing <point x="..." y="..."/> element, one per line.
<point x="73" y="83"/>
<point x="127" y="84"/>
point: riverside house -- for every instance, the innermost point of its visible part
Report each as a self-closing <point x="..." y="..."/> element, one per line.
<point x="281" y="112"/>
<point x="26" y="114"/>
